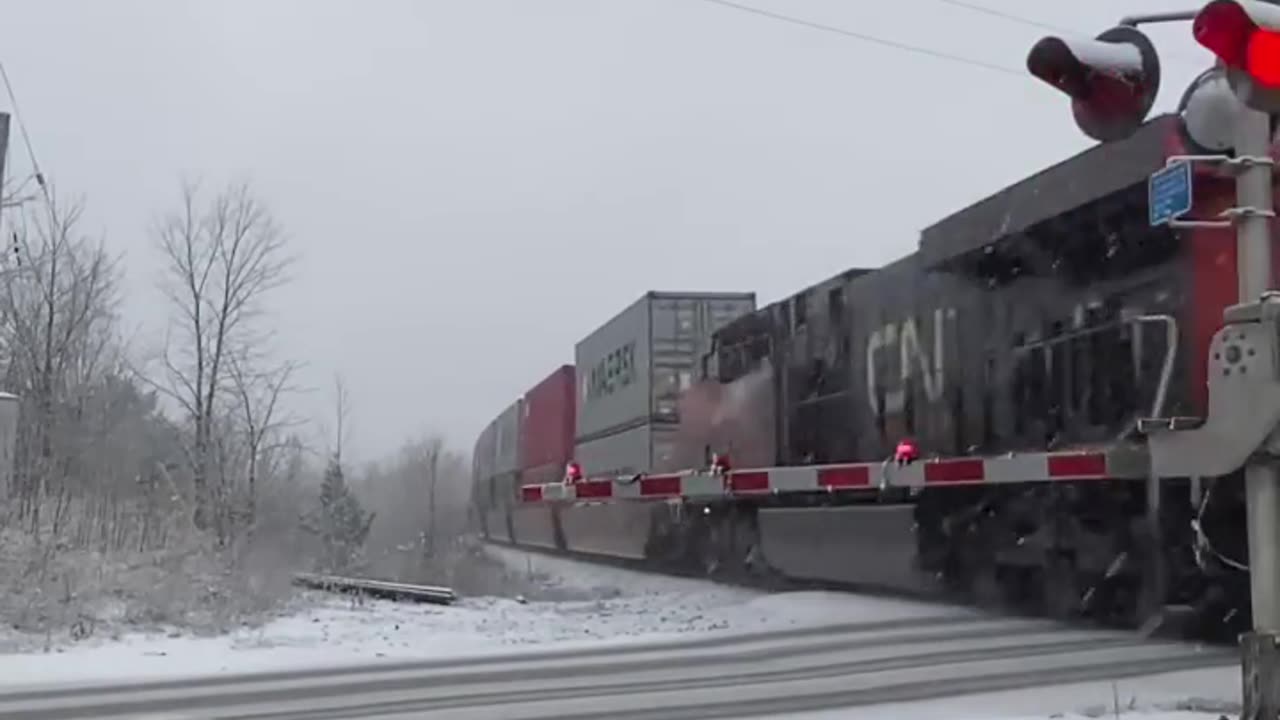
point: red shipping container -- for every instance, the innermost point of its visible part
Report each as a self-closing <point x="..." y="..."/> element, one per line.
<point x="548" y="425"/>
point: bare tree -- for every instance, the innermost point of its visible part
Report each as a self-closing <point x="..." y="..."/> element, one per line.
<point x="93" y="444"/>
<point x="104" y="483"/>
<point x="222" y="256"/>
<point x="258" y="395"/>
<point x="59" y="332"/>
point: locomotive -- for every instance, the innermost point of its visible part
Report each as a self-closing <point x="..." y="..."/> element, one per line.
<point x="1026" y="351"/>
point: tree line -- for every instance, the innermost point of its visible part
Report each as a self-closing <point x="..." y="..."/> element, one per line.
<point x="160" y="484"/>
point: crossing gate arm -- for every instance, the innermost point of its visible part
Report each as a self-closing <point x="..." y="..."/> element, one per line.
<point x="1120" y="462"/>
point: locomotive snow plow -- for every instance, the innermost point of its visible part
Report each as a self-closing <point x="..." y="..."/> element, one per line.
<point x="1080" y="386"/>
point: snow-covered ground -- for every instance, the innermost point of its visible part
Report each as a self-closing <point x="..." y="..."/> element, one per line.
<point x="1196" y="695"/>
<point x="603" y="605"/>
<point x="576" y="604"/>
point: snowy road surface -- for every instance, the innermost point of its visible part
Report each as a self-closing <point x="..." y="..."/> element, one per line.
<point x="729" y="676"/>
<point x="641" y="647"/>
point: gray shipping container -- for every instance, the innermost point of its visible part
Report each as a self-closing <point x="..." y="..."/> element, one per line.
<point x="632" y="369"/>
<point x="646" y="448"/>
<point x="482" y="491"/>
<point x="507" y="452"/>
<point x="622" y="453"/>
<point x="483" y="454"/>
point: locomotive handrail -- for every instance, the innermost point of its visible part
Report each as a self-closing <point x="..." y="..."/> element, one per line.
<point x="1170" y="356"/>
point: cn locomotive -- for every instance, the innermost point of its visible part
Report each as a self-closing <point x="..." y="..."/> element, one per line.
<point x="1023" y="352"/>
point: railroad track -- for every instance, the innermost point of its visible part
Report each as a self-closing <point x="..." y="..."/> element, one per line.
<point x="711" y="676"/>
<point x="1167" y="625"/>
<point x="772" y="582"/>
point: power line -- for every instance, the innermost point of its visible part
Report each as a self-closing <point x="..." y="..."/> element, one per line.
<point x="884" y="42"/>
<point x="1009" y="16"/>
<point x="1032" y="22"/>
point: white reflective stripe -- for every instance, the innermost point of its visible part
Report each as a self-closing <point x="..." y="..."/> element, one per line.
<point x="624" y="488"/>
<point x="911" y="475"/>
<point x="794" y="479"/>
<point x="1128" y="462"/>
<point x="557" y="491"/>
<point x="702" y="485"/>
<point x="1019" y="468"/>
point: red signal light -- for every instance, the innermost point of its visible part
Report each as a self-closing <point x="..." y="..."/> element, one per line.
<point x="572" y="472"/>
<point x="1224" y="28"/>
<point x="1262" y="58"/>
<point x="1245" y="36"/>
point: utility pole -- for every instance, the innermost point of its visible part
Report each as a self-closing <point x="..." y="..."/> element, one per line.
<point x="1259" y="655"/>
<point x="433" y="467"/>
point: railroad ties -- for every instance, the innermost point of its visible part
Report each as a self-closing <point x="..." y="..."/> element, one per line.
<point x="377" y="588"/>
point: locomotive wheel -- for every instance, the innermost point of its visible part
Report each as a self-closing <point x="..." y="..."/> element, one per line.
<point x="711" y="550"/>
<point x="706" y="536"/>
<point x="1061" y="588"/>
<point x="672" y="537"/>
<point x="987" y="589"/>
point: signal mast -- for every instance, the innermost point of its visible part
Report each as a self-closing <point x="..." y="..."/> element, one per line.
<point x="1226" y="115"/>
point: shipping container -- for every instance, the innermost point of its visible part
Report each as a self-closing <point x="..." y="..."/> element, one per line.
<point x="506" y="457"/>
<point x="483" y="455"/>
<point x="622" y="453"/>
<point x="482" y="490"/>
<point x="547" y="426"/>
<point x="632" y="369"/>
<point x="647" y="448"/>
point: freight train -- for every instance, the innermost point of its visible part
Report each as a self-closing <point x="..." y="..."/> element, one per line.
<point x="1023" y="355"/>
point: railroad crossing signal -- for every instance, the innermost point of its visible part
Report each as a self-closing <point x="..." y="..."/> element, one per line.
<point x="1227" y="115"/>
<point x="1245" y="36"/>
<point x="1112" y="80"/>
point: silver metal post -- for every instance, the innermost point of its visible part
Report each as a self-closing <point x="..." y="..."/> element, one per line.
<point x="1253" y="265"/>
<point x="1263" y="489"/>
<point x="1262" y="481"/>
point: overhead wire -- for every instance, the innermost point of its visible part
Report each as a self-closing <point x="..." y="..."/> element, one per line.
<point x="26" y="138"/>
<point x="873" y="39"/>
<point x="921" y="49"/>
<point x="1032" y="22"/>
<point x="1003" y="15"/>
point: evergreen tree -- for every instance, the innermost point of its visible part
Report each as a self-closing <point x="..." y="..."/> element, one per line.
<point x="340" y="522"/>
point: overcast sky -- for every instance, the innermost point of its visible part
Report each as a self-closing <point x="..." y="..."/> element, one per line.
<point x="473" y="185"/>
